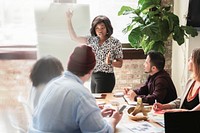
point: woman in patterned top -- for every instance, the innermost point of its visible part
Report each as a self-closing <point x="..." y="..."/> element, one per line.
<point x="107" y="49"/>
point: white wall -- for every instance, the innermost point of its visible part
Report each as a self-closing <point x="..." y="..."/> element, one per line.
<point x="180" y="54"/>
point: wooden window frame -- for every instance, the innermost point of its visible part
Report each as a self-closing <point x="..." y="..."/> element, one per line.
<point x="132" y="53"/>
<point x="18" y="52"/>
<point x="30" y="52"/>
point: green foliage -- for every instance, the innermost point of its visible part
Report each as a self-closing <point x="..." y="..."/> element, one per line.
<point x="152" y="25"/>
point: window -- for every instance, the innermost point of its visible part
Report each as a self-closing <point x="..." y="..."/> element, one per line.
<point x="18" y="27"/>
<point x="17" y="23"/>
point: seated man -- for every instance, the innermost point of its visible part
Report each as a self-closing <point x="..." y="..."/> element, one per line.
<point x="66" y="106"/>
<point x="159" y="85"/>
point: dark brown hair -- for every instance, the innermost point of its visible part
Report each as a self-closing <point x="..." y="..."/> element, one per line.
<point x="157" y="59"/>
<point x="196" y="61"/>
<point x="101" y="19"/>
<point x="45" y="69"/>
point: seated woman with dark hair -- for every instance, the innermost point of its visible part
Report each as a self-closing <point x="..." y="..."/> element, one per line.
<point x="44" y="70"/>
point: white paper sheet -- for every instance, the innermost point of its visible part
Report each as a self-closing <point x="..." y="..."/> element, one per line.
<point x="143" y="127"/>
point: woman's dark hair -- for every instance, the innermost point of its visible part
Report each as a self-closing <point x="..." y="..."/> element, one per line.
<point x="101" y="19"/>
<point x="196" y="61"/>
<point x="45" y="69"/>
<point x="157" y="59"/>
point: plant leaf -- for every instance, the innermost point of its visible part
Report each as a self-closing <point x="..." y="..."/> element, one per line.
<point x="178" y="35"/>
<point x="159" y="46"/>
<point x="190" y="30"/>
<point x="125" y="10"/>
<point x="167" y="8"/>
<point x="164" y="30"/>
<point x="135" y="37"/>
<point x="152" y="30"/>
<point x="152" y="25"/>
<point x="137" y="19"/>
<point x="128" y="28"/>
<point x="146" y="4"/>
<point x="172" y="19"/>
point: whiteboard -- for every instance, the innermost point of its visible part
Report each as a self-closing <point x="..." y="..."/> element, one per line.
<point x="51" y="26"/>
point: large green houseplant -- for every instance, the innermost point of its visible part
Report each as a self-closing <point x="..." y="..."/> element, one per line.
<point x="153" y="23"/>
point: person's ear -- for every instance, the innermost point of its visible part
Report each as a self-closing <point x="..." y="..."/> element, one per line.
<point x="154" y="68"/>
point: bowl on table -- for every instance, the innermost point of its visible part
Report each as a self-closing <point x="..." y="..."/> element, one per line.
<point x="139" y="116"/>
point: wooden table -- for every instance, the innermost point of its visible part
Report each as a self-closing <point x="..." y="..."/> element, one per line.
<point x="125" y="123"/>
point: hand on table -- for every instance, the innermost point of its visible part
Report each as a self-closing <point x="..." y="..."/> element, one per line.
<point x="107" y="112"/>
<point x="116" y="117"/>
<point x="157" y="107"/>
<point x="130" y="93"/>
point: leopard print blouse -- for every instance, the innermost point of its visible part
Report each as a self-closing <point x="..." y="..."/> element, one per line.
<point x="111" y="44"/>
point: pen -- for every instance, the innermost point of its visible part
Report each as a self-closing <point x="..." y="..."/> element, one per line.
<point x="155" y="103"/>
<point x="125" y="100"/>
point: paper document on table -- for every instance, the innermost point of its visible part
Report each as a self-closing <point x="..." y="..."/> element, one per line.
<point x="143" y="127"/>
<point x="99" y="95"/>
<point x="157" y="118"/>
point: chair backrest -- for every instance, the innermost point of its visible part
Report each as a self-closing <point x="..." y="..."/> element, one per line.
<point x="27" y="109"/>
<point x="16" y="121"/>
<point x="182" y="122"/>
<point x="21" y="116"/>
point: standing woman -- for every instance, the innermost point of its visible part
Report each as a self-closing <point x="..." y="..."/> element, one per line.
<point x="190" y="99"/>
<point x="107" y="49"/>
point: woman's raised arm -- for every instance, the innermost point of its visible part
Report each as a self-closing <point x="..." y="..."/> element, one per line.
<point x="71" y="31"/>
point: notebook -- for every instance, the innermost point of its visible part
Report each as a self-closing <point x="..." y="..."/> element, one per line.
<point x="182" y="122"/>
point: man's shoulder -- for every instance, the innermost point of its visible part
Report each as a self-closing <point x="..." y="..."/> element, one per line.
<point x="163" y="76"/>
<point x="163" y="73"/>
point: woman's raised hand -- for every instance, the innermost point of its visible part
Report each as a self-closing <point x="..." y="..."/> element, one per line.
<point x="69" y="14"/>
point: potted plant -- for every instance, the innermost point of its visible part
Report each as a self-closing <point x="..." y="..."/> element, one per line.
<point x="153" y="23"/>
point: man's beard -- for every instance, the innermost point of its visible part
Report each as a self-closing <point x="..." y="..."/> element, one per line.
<point x="148" y="71"/>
